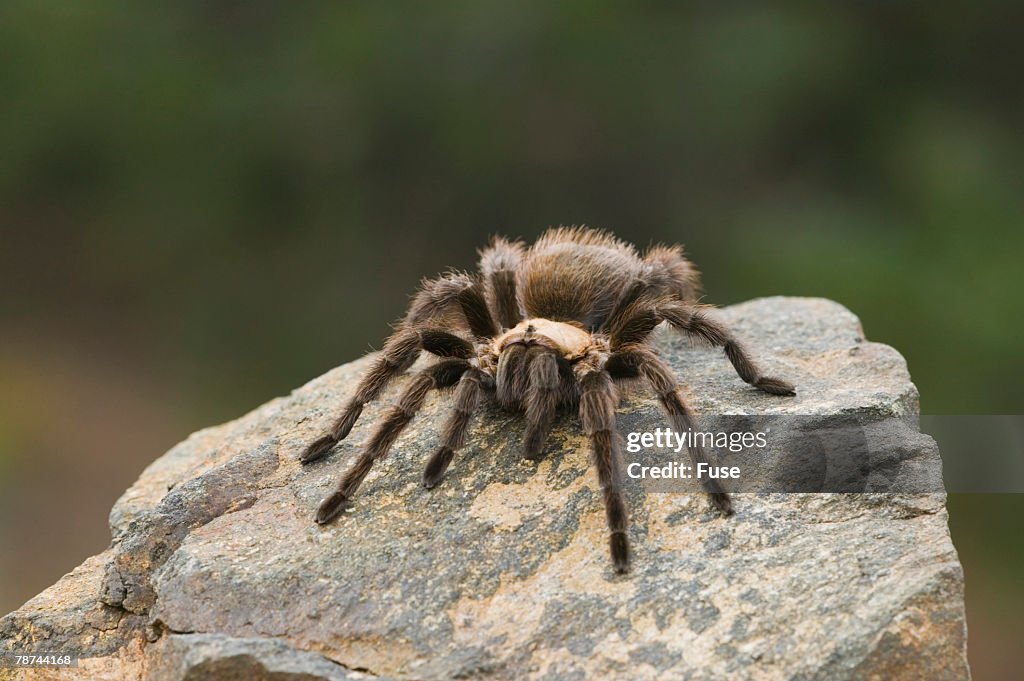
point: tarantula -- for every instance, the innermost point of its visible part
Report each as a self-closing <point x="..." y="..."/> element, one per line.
<point x="558" y="325"/>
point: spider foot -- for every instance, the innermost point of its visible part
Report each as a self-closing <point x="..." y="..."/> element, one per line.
<point x="331" y="507"/>
<point x="344" y="425"/>
<point x="318" y="448"/>
<point x="533" y="444"/>
<point x="437" y="466"/>
<point x="775" y="386"/>
<point x="619" y="545"/>
<point x="722" y="502"/>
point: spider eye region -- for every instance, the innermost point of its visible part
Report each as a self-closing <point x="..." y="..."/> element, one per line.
<point x="568" y="340"/>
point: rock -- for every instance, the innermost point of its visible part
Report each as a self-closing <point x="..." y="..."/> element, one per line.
<point x="217" y="570"/>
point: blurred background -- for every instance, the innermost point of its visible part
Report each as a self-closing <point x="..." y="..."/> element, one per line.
<point x="204" y="205"/>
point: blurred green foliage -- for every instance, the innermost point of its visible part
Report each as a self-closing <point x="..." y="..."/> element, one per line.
<point x="255" y="187"/>
<point x="232" y="197"/>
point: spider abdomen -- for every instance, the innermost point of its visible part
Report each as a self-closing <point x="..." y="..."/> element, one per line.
<point x="574" y="275"/>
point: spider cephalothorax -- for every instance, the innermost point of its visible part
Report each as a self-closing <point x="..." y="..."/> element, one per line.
<point x="558" y="325"/>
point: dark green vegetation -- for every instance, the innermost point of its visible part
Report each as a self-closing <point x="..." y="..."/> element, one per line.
<point x="203" y="205"/>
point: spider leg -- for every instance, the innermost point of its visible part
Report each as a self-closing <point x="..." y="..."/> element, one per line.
<point x="669" y="272"/>
<point x="400" y="351"/>
<point x="666" y="275"/>
<point x="511" y="379"/>
<point x="635" y="319"/>
<point x="639" y="360"/>
<point x="452" y="301"/>
<point x="542" y="393"/>
<point x="467" y="399"/>
<point x="455" y="300"/>
<point x="441" y="375"/>
<point x="478" y="315"/>
<point x="693" y="320"/>
<point x="634" y="316"/>
<point x="498" y="264"/>
<point x="597" y="412"/>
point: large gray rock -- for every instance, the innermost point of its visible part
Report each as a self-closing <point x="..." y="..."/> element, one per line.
<point x="218" y="571"/>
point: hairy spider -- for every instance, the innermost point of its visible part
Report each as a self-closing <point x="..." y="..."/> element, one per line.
<point x="558" y="325"/>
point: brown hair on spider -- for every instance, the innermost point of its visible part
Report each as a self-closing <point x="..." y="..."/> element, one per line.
<point x="559" y="325"/>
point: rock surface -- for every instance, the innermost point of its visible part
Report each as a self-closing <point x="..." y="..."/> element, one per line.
<point x="502" y="572"/>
